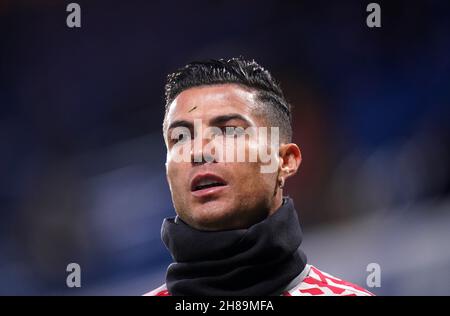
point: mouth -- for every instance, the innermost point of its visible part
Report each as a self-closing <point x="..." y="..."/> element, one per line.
<point x="206" y="184"/>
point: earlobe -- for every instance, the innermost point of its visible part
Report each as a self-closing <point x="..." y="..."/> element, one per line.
<point x="281" y="183"/>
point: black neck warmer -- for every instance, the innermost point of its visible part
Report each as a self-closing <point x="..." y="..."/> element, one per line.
<point x="260" y="260"/>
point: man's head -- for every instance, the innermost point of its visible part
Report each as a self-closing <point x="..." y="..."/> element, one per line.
<point x="218" y="95"/>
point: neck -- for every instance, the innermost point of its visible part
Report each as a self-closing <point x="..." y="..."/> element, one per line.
<point x="255" y="261"/>
<point x="278" y="201"/>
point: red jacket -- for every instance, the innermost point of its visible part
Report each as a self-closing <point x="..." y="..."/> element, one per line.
<point x="310" y="282"/>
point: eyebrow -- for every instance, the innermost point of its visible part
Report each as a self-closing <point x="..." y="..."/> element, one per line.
<point x="181" y="123"/>
<point x="221" y="119"/>
<point x="218" y="120"/>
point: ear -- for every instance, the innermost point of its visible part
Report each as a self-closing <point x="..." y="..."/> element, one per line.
<point x="290" y="160"/>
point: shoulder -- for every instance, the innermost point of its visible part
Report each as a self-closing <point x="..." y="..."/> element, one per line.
<point x="317" y="282"/>
<point x="160" y="291"/>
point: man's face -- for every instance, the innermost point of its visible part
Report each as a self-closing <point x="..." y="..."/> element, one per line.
<point x="218" y="195"/>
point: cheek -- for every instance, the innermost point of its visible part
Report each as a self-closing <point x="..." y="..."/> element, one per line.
<point x="251" y="179"/>
<point x="174" y="173"/>
<point x="267" y="160"/>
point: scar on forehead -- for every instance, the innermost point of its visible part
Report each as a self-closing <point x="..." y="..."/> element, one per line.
<point x="193" y="108"/>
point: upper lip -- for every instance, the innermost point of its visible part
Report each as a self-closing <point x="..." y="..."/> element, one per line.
<point x="205" y="176"/>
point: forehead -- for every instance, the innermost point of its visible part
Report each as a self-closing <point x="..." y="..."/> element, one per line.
<point x="206" y="102"/>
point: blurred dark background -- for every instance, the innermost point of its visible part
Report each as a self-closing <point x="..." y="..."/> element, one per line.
<point x="82" y="175"/>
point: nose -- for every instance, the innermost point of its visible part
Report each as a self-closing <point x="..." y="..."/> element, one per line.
<point x="201" y="156"/>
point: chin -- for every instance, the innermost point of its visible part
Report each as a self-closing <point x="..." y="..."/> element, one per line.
<point x="213" y="215"/>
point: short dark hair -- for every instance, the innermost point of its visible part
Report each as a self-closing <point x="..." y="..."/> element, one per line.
<point x="239" y="71"/>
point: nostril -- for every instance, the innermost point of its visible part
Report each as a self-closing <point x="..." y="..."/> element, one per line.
<point x="203" y="158"/>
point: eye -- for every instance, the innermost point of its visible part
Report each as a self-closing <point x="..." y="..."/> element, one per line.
<point x="180" y="138"/>
<point x="233" y="131"/>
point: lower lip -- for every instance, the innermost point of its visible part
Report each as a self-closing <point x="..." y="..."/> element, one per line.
<point x="209" y="191"/>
